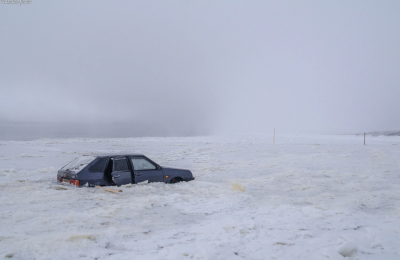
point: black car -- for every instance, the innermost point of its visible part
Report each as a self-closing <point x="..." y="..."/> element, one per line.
<point x="118" y="169"/>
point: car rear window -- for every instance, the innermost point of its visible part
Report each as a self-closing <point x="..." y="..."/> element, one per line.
<point x="79" y="163"/>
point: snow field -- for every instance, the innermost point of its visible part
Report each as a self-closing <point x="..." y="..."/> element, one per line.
<point x="307" y="197"/>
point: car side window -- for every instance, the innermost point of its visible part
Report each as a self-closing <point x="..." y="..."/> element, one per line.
<point x="99" y="165"/>
<point x="120" y="165"/>
<point x="140" y="164"/>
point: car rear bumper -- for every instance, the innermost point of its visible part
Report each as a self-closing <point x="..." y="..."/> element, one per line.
<point x="68" y="181"/>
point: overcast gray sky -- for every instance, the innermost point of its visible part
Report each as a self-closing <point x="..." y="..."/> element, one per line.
<point x="203" y="66"/>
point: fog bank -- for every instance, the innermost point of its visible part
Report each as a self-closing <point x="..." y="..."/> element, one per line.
<point x="194" y="68"/>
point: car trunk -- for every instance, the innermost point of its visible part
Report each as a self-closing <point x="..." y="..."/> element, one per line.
<point x="69" y="173"/>
<point x="68" y="177"/>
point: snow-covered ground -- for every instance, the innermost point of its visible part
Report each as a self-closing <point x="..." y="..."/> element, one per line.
<point x="306" y="197"/>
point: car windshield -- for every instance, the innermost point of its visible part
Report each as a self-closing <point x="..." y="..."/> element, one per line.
<point x="79" y="163"/>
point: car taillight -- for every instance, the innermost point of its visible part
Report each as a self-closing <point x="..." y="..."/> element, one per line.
<point x="74" y="182"/>
<point x="59" y="179"/>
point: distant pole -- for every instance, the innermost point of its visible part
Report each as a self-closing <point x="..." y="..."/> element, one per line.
<point x="274" y="135"/>
<point x="364" y="138"/>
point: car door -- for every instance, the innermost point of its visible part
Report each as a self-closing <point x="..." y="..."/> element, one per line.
<point x="121" y="174"/>
<point x="145" y="170"/>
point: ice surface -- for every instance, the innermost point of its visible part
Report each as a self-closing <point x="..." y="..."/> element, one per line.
<point x="307" y="197"/>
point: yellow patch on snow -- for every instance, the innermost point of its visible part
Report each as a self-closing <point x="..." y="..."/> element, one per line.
<point x="237" y="186"/>
<point x="78" y="238"/>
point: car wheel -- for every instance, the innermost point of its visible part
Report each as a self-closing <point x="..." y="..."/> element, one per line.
<point x="176" y="180"/>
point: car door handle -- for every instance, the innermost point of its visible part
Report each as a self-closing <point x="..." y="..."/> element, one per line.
<point x="116" y="176"/>
<point x="138" y="174"/>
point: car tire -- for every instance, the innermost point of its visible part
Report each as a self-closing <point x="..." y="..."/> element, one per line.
<point x="176" y="180"/>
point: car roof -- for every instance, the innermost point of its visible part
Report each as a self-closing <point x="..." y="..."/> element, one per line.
<point x="116" y="154"/>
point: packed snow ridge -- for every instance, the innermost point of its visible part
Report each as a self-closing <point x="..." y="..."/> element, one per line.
<point x="387" y="133"/>
<point x="306" y="197"/>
